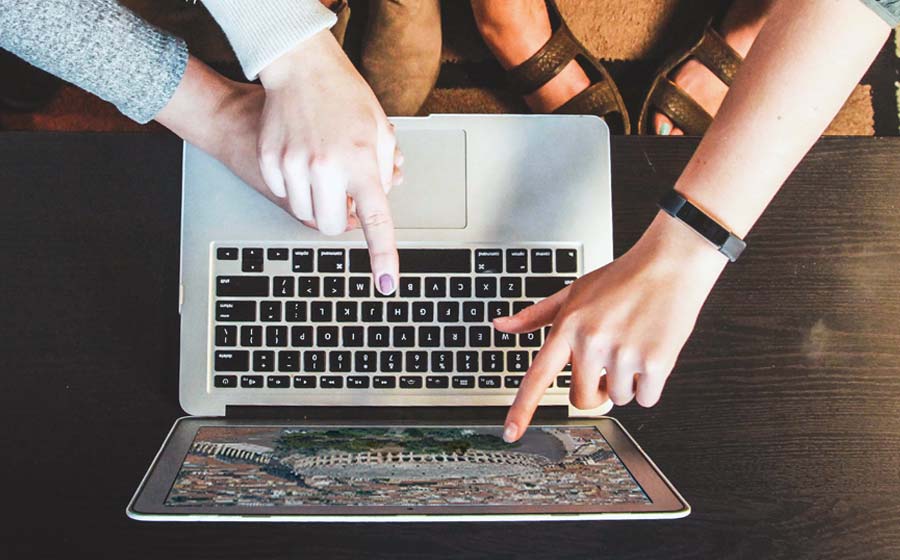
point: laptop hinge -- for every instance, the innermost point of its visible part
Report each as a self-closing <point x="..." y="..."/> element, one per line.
<point x="438" y="414"/>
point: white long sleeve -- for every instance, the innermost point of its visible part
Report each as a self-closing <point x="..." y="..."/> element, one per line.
<point x="262" y="30"/>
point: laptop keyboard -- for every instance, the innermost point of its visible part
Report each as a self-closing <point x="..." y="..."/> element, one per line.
<point x="308" y="318"/>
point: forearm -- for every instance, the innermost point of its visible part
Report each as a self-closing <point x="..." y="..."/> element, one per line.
<point x="801" y="69"/>
<point x="99" y="46"/>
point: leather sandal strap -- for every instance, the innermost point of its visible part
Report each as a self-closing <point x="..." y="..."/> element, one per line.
<point x="546" y="63"/>
<point x="718" y="56"/>
<point x="598" y="99"/>
<point x="676" y="104"/>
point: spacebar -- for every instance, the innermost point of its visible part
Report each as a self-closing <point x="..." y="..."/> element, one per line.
<point x="419" y="260"/>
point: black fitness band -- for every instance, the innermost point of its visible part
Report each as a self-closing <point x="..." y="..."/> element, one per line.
<point x="679" y="207"/>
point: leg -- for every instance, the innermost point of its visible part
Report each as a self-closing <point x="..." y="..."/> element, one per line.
<point x="516" y="30"/>
<point x="739" y="28"/>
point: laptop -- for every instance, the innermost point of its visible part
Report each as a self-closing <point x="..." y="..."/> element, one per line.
<point x="286" y="345"/>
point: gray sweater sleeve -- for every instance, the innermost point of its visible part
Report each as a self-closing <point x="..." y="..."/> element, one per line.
<point x="99" y="46"/>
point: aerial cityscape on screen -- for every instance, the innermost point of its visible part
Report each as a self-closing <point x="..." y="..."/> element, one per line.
<point x="275" y="466"/>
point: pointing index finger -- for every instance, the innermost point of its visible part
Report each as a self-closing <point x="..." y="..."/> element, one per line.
<point x="374" y="215"/>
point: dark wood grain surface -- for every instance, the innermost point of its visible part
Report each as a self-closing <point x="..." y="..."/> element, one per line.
<point x="781" y="423"/>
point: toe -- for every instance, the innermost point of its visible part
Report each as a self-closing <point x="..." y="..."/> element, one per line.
<point x="662" y="125"/>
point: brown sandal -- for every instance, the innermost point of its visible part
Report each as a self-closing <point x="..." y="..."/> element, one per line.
<point x="668" y="98"/>
<point x="601" y="98"/>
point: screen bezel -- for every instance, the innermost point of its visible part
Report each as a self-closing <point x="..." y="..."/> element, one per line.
<point x="148" y="502"/>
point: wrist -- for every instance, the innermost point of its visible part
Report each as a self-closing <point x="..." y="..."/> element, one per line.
<point x="302" y="60"/>
<point x="673" y="243"/>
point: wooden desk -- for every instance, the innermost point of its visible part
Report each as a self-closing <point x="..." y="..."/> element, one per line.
<point x="781" y="423"/>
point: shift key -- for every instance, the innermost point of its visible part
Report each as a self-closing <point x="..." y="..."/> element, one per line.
<point x="545" y="286"/>
<point x="242" y="286"/>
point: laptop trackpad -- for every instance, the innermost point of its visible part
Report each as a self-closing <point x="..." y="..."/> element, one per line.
<point x="433" y="193"/>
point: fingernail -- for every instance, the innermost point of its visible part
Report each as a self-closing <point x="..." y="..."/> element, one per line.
<point x="665" y="129"/>
<point x="386" y="284"/>
<point x="509" y="433"/>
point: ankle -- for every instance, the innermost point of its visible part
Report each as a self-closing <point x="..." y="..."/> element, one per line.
<point x="512" y="30"/>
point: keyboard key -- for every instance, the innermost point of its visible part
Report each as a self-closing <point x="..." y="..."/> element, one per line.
<point x="435" y="287"/>
<point x="423" y="311"/>
<point x="379" y="337"/>
<point x="463" y="381"/>
<point x="498" y="309"/>
<point x="566" y="260"/>
<point x="304" y="382"/>
<point x="448" y="311"/>
<point x="320" y="311"/>
<point x="416" y="361"/>
<point x="541" y="260"/>
<point x="251" y="381"/>
<point x="372" y="311"/>
<point x="488" y="261"/>
<point x="242" y="286"/>
<point x="384" y="382"/>
<point x="518" y="306"/>
<point x="226" y="335"/>
<point x="530" y="339"/>
<point x="360" y="286"/>
<point x="486" y="287"/>
<point x="276" y="336"/>
<point x="331" y="260"/>
<point x="404" y="337"/>
<point x="357" y="382"/>
<point x="491" y="360"/>
<point x="232" y="360"/>
<point x="504" y="340"/>
<point x="295" y="311"/>
<point x="314" y="361"/>
<point x="251" y="335"/>
<point x="302" y="260"/>
<point x="225" y="381"/>
<point x="516" y="261"/>
<point x="308" y="286"/>
<point x="277" y="254"/>
<point x="226" y="253"/>
<point x="391" y="362"/>
<point x="545" y="286"/>
<point x="339" y="361"/>
<point x="512" y="381"/>
<point x="302" y="336"/>
<point x="327" y="336"/>
<point x="346" y="312"/>
<point x="251" y="260"/>
<point x="410" y="382"/>
<point x="564" y="381"/>
<point x="490" y="382"/>
<point x="331" y="382"/>
<point x="278" y="382"/>
<point x="270" y="311"/>
<point x="454" y="337"/>
<point x="419" y="261"/>
<point x="517" y="360"/>
<point x="410" y="287"/>
<point x="437" y="382"/>
<point x="442" y="362"/>
<point x="480" y="336"/>
<point x="289" y="361"/>
<point x="264" y="360"/>
<point x="283" y="286"/>
<point x="334" y="286"/>
<point x="364" y="360"/>
<point x="511" y="287"/>
<point x="398" y="312"/>
<point x="461" y="287"/>
<point x="429" y="337"/>
<point x="467" y="361"/>
<point x="352" y="336"/>
<point x="473" y="312"/>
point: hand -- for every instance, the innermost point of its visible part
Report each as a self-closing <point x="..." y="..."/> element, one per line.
<point x="324" y="138"/>
<point x="631" y="318"/>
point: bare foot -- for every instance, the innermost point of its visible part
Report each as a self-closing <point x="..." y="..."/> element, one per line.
<point x="739" y="28"/>
<point x="514" y="31"/>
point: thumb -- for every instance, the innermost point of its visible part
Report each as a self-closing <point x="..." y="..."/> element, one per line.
<point x="534" y="316"/>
